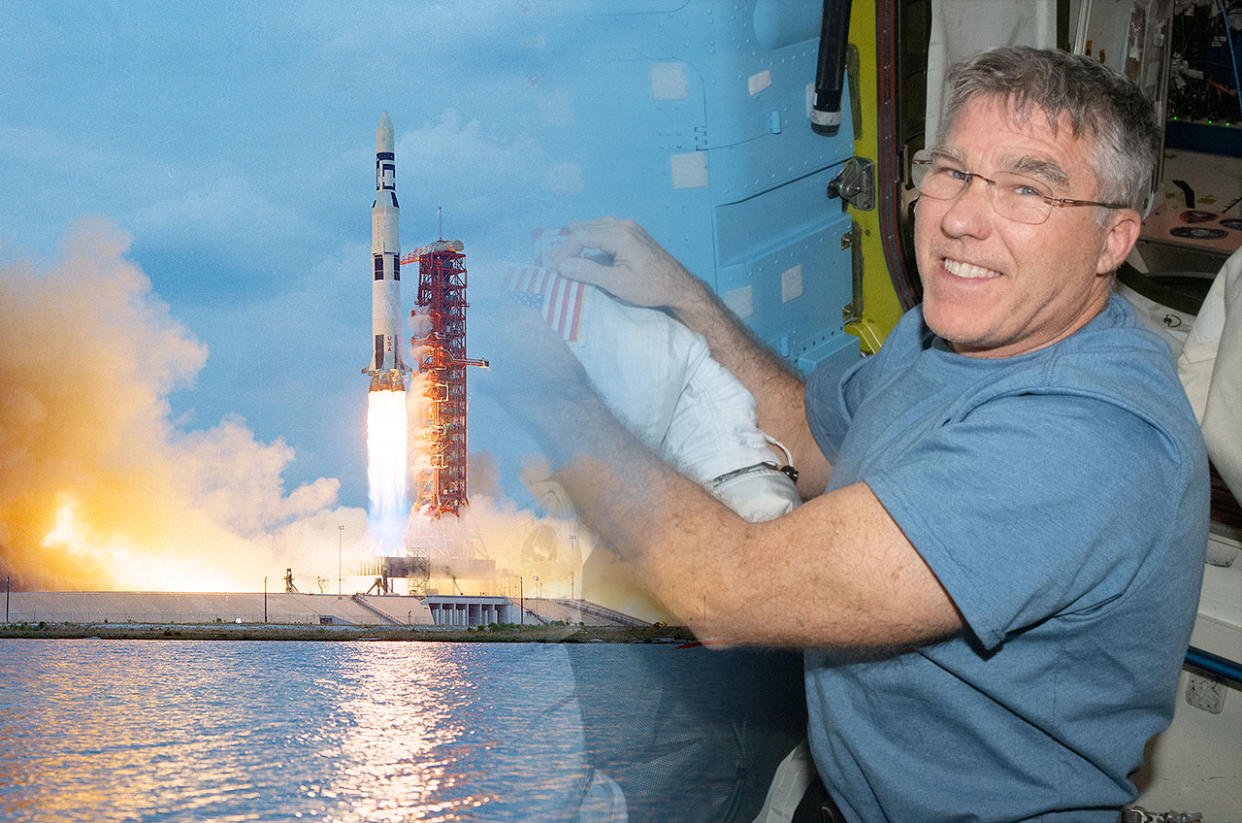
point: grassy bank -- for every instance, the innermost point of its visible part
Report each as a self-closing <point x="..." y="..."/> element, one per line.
<point x="496" y="633"/>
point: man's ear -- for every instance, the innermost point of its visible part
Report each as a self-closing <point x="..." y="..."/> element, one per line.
<point x="1121" y="232"/>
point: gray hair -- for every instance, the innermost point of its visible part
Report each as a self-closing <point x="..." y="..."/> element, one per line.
<point x="1094" y="100"/>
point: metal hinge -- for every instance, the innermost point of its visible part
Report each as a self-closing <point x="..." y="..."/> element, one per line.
<point x="855" y="184"/>
<point x="852" y="240"/>
<point x="700" y="138"/>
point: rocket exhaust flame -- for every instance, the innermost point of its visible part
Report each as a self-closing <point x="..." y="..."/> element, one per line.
<point x="386" y="468"/>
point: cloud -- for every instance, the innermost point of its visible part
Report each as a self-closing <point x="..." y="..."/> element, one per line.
<point x="467" y="165"/>
<point x="98" y="489"/>
<point x="219" y="207"/>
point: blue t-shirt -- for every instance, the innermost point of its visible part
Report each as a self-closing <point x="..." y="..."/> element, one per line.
<point x="1061" y="498"/>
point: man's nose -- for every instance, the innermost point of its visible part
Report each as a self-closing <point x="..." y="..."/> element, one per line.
<point x="970" y="214"/>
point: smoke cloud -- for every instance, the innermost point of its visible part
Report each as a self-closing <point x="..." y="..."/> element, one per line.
<point x="99" y="489"/>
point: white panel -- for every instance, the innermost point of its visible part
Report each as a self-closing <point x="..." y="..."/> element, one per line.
<point x="689" y="170"/>
<point x="668" y="81"/>
<point x="740" y="301"/>
<point x="758" y="82"/>
<point x="791" y="283"/>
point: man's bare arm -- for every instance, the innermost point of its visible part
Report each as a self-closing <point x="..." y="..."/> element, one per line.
<point x="644" y="274"/>
<point x="837" y="571"/>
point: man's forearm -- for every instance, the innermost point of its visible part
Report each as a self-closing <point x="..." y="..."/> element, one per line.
<point x="835" y="572"/>
<point x="666" y="529"/>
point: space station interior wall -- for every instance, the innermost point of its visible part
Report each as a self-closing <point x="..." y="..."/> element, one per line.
<point x="693" y="119"/>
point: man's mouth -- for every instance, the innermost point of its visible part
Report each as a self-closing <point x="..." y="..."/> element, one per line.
<point x="968" y="270"/>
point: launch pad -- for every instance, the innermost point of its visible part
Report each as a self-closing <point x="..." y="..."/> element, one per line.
<point x="414" y="569"/>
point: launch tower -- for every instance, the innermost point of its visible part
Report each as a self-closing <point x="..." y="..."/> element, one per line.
<point x="441" y="488"/>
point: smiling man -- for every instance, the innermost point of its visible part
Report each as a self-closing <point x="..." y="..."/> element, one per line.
<point x="996" y="568"/>
<point x="1007" y="286"/>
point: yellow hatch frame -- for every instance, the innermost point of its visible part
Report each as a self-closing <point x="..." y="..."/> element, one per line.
<point x="881" y="307"/>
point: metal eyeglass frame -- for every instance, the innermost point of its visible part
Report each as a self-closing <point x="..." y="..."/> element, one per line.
<point x="1059" y="202"/>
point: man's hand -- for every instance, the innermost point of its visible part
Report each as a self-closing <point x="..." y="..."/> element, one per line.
<point x="642" y="273"/>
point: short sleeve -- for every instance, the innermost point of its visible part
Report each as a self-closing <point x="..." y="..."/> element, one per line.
<point x="826" y="412"/>
<point x="1032" y="505"/>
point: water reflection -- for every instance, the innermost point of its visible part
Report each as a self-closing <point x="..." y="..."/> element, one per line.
<point x="148" y="730"/>
<point x="95" y="730"/>
<point x="450" y="732"/>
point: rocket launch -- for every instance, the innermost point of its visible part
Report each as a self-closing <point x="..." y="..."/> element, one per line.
<point x="386" y="412"/>
<point x="387" y="370"/>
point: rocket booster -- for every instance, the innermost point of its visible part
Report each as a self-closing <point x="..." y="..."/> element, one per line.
<point x="386" y="369"/>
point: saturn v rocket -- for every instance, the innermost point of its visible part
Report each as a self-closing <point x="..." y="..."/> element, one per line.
<point x="387" y="370"/>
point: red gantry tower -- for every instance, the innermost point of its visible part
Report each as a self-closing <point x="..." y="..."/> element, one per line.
<point x="440" y="340"/>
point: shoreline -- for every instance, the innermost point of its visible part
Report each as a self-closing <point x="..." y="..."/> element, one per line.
<point x="495" y="633"/>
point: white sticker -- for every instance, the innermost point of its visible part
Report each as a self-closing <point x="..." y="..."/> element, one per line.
<point x="689" y="170"/>
<point x="740" y="302"/>
<point x="668" y="81"/>
<point x="758" y="82"/>
<point x="791" y="283"/>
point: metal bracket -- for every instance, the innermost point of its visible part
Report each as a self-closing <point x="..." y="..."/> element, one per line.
<point x="1137" y="814"/>
<point x="852" y="240"/>
<point x="851" y="74"/>
<point x="855" y="184"/>
<point x="700" y="138"/>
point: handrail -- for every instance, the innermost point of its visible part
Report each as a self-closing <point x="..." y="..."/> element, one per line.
<point x="379" y="612"/>
<point x="1215" y="664"/>
<point x="601" y="611"/>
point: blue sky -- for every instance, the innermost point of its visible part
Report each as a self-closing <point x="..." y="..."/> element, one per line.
<point x="185" y="275"/>
<point x="234" y="142"/>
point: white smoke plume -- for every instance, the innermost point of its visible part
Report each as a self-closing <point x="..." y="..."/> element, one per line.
<point x="101" y="490"/>
<point x="98" y="488"/>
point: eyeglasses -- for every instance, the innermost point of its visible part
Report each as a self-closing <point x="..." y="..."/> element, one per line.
<point x="1014" y="196"/>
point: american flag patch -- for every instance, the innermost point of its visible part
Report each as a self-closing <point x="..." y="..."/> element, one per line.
<point x="557" y="298"/>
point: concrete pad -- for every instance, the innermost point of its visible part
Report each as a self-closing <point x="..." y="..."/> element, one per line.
<point x="211" y="607"/>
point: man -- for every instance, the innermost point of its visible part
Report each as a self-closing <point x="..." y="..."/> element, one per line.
<point x="997" y="566"/>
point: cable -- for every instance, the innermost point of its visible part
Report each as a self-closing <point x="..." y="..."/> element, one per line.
<point x="1233" y="55"/>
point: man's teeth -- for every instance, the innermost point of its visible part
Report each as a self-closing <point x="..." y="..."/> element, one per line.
<point x="968" y="270"/>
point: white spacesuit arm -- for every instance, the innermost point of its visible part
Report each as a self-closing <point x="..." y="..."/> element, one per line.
<point x="643" y="273"/>
<point x="656" y="376"/>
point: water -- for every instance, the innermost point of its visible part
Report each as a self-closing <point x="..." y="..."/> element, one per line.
<point x="108" y="730"/>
